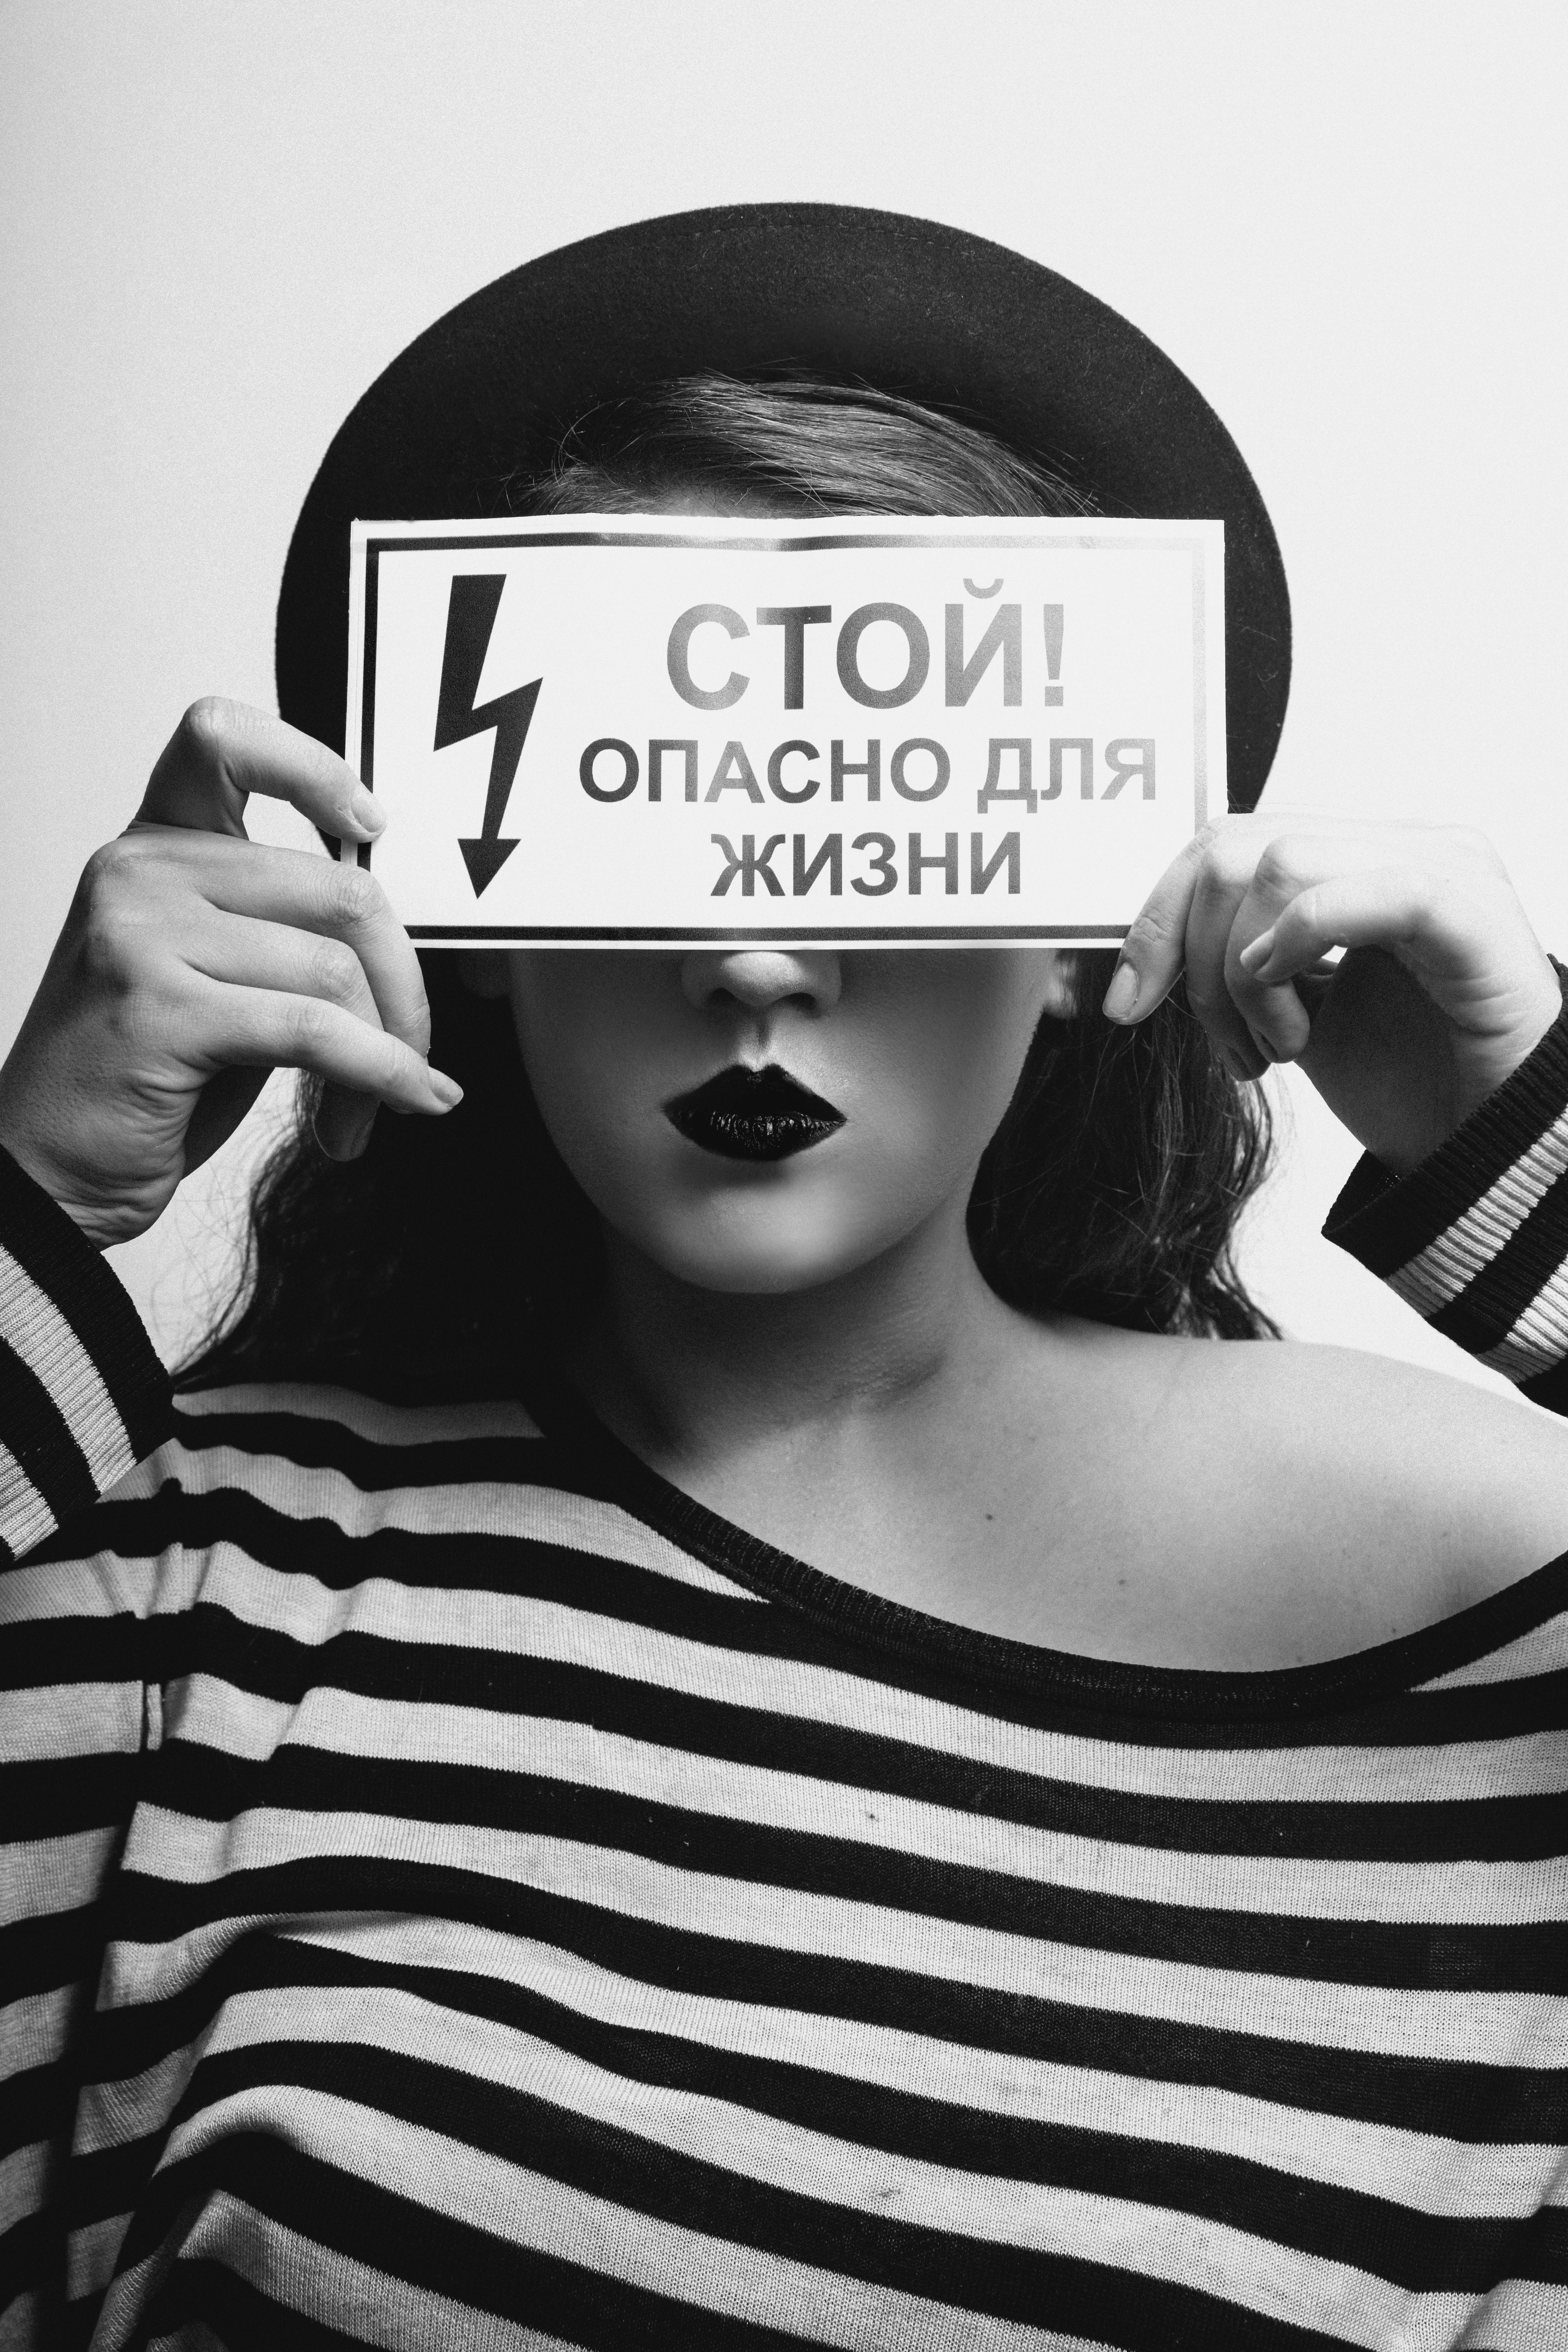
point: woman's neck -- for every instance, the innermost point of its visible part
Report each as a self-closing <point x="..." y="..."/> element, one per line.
<point x="688" y="1374"/>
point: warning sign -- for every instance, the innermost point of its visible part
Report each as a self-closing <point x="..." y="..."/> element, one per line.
<point x="640" y="730"/>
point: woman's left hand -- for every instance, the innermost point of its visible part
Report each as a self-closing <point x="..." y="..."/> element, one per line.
<point x="1442" y="992"/>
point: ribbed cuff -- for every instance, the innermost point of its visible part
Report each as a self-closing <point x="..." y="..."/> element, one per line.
<point x="1476" y="1238"/>
<point x="83" y="1397"/>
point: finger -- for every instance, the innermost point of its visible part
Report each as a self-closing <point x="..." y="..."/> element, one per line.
<point x="1448" y="932"/>
<point x="240" y="952"/>
<point x="1277" y="1016"/>
<point x="222" y="752"/>
<point x="265" y="1028"/>
<point x="1232" y="905"/>
<point x="305" y="964"/>
<point x="322" y="962"/>
<point x="1150" y="963"/>
<point x="296" y="890"/>
<point x="1221" y="887"/>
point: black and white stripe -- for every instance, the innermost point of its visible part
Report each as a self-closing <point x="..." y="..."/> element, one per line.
<point x="502" y="1921"/>
<point x="73" y="1421"/>
<point x="1476" y="1240"/>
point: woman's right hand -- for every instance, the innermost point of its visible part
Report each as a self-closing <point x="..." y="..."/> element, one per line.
<point x="195" y="961"/>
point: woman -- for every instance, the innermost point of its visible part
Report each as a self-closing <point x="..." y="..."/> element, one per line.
<point x="751" y="1736"/>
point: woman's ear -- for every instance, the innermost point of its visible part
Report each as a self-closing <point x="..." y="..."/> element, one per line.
<point x="483" y="970"/>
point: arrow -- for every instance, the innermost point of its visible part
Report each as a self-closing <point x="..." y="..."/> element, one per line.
<point x="470" y="617"/>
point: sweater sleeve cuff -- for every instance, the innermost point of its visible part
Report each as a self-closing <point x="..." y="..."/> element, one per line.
<point x="1476" y="1238"/>
<point x="83" y="1397"/>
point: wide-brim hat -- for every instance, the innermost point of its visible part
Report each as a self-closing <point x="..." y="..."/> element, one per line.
<point x="485" y="395"/>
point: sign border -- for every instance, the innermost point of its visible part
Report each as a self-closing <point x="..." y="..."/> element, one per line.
<point x="379" y="539"/>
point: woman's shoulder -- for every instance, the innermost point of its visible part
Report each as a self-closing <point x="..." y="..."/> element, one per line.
<point x="1447" y="1490"/>
<point x="1356" y="1496"/>
<point x="1415" y="1429"/>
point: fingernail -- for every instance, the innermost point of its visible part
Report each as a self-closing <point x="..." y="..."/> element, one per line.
<point x="1237" y="1067"/>
<point x="1253" y="957"/>
<point x="447" y="1091"/>
<point x="1265" y="1045"/>
<point x="367" y="811"/>
<point x="1122" y="994"/>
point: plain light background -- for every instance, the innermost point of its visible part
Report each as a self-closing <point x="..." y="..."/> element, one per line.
<point x="1344" y="218"/>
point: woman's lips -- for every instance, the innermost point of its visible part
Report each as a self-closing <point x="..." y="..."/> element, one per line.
<point x="753" y="1115"/>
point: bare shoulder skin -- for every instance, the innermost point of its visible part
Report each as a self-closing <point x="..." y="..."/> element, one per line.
<point x="1171" y="1502"/>
<point x="1277" y="1503"/>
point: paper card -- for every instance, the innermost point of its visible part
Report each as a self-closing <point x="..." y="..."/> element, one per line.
<point x="639" y="730"/>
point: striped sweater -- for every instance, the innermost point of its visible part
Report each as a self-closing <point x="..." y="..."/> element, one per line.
<point x="461" y="1893"/>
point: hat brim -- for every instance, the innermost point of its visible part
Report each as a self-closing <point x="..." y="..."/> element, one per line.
<point x="908" y="305"/>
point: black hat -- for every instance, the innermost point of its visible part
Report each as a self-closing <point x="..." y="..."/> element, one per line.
<point x="907" y="305"/>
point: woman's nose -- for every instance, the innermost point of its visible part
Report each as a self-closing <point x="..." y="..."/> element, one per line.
<point x="759" y="977"/>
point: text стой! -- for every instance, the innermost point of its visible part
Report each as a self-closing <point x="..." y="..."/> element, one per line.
<point x="639" y="728"/>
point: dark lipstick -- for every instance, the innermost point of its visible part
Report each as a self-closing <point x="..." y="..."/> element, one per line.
<point x="752" y="1114"/>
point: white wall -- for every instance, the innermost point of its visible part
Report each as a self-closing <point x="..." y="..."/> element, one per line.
<point x="1342" y="218"/>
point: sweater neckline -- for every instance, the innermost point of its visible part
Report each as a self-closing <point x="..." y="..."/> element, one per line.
<point x="608" y="1468"/>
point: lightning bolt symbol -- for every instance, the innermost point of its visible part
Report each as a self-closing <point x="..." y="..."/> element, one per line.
<point x="470" y="617"/>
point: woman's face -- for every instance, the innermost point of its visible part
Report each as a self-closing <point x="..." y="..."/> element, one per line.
<point x="909" y="1055"/>
<point x="902" y="1064"/>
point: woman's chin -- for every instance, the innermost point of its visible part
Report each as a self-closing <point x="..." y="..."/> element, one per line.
<point x="766" y="1256"/>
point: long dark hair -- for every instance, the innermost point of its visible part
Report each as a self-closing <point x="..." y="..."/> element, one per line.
<point x="456" y="1250"/>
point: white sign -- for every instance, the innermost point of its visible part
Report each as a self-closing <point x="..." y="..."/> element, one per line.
<point x="632" y="729"/>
